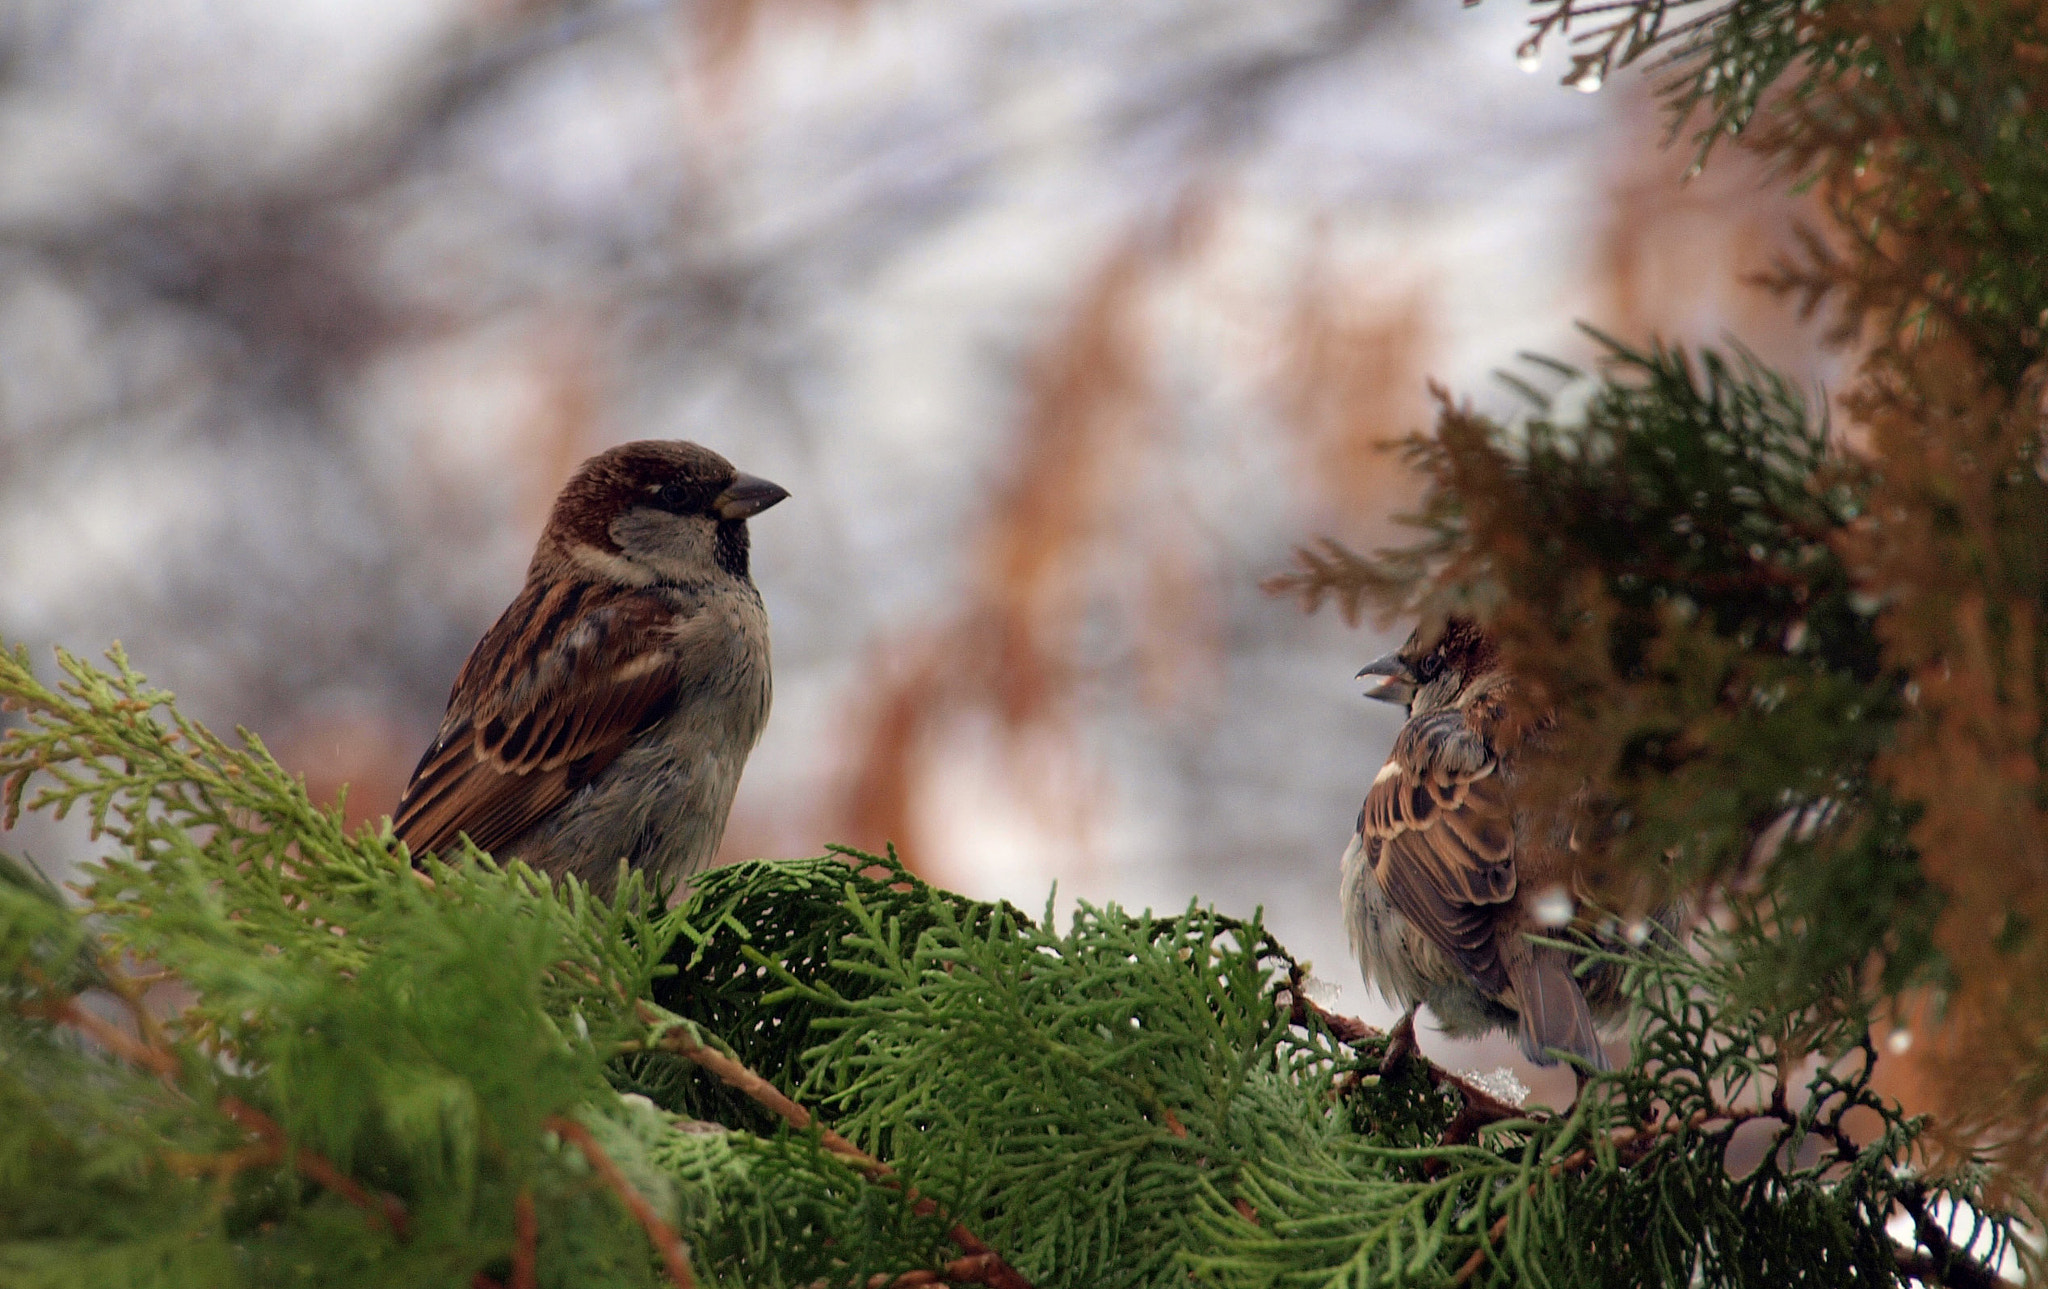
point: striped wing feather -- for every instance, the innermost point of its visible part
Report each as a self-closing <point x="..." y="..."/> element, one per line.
<point x="1441" y="827"/>
<point x="529" y="725"/>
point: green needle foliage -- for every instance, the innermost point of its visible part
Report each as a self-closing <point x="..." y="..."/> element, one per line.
<point x="261" y="1050"/>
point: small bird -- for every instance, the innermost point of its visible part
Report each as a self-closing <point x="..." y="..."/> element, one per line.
<point x="1444" y="881"/>
<point x="608" y="712"/>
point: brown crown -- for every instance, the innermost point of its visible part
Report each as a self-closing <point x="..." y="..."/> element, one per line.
<point x="668" y="474"/>
<point x="1465" y="646"/>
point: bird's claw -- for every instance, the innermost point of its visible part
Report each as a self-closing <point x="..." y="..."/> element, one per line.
<point x="1400" y="1044"/>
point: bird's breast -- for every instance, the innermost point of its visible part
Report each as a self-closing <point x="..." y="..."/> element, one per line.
<point x="662" y="805"/>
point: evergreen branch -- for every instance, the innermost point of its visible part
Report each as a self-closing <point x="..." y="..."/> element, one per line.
<point x="972" y="1269"/>
<point x="313" y="1166"/>
<point x="1470" y="1266"/>
<point x="428" y="1049"/>
<point x="683" y="1041"/>
<point x="1330" y="570"/>
<point x="1477" y="1107"/>
<point x="1944" y="1264"/>
<point x="1923" y="1267"/>
<point x="674" y="1255"/>
<point x="986" y="1266"/>
<point x="67" y="1011"/>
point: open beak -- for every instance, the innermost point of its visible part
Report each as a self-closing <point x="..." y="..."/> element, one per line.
<point x="748" y="496"/>
<point x="1395" y="683"/>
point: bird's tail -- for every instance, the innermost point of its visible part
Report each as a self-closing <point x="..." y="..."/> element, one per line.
<point x="1553" y="1007"/>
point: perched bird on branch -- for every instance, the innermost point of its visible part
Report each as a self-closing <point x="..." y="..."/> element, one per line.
<point x="1446" y="876"/>
<point x="608" y="712"/>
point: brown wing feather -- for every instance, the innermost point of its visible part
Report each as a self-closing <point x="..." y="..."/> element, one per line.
<point x="1445" y="831"/>
<point x="527" y="725"/>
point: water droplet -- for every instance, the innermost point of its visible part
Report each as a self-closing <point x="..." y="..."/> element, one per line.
<point x="1898" y="1041"/>
<point x="1529" y="57"/>
<point x="1552" y="907"/>
<point x="1588" y="81"/>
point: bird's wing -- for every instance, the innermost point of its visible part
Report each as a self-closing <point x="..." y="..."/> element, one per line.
<point x="527" y="725"/>
<point x="1444" y="827"/>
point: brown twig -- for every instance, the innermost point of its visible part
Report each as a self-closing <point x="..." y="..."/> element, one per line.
<point x="130" y="990"/>
<point x="525" y="1240"/>
<point x="68" y="1011"/>
<point x="981" y="1265"/>
<point x="1478" y="1259"/>
<point x="975" y="1270"/>
<point x="314" y="1167"/>
<point x="761" y="1092"/>
<point x="1480" y="1106"/>
<point x="1570" y="1163"/>
<point x="1945" y="1264"/>
<point x="660" y="1234"/>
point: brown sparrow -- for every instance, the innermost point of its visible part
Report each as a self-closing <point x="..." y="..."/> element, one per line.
<point x="608" y="712"/>
<point x="1443" y="881"/>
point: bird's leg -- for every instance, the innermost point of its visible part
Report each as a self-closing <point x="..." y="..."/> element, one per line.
<point x="1400" y="1044"/>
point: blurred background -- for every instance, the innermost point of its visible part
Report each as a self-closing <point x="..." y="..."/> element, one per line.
<point x="1063" y="322"/>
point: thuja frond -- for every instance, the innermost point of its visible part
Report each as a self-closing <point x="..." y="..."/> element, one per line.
<point x="946" y="1090"/>
<point x="268" y="1051"/>
<point x="1664" y="564"/>
<point x="1128" y="1101"/>
<point x="1715" y="60"/>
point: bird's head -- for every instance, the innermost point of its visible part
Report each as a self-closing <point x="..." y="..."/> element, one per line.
<point x="1440" y="662"/>
<point x="655" y="511"/>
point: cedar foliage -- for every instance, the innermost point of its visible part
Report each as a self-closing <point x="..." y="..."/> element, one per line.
<point x="262" y="1049"/>
<point x="362" y="1077"/>
<point x="1797" y="669"/>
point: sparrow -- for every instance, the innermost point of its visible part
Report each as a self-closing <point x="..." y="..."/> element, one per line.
<point x="607" y="714"/>
<point x="1446" y="878"/>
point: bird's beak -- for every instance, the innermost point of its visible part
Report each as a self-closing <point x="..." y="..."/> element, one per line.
<point x="1396" y="683"/>
<point x="748" y="496"/>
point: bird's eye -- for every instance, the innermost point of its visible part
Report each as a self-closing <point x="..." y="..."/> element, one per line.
<point x="669" y="496"/>
<point x="1428" y="668"/>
